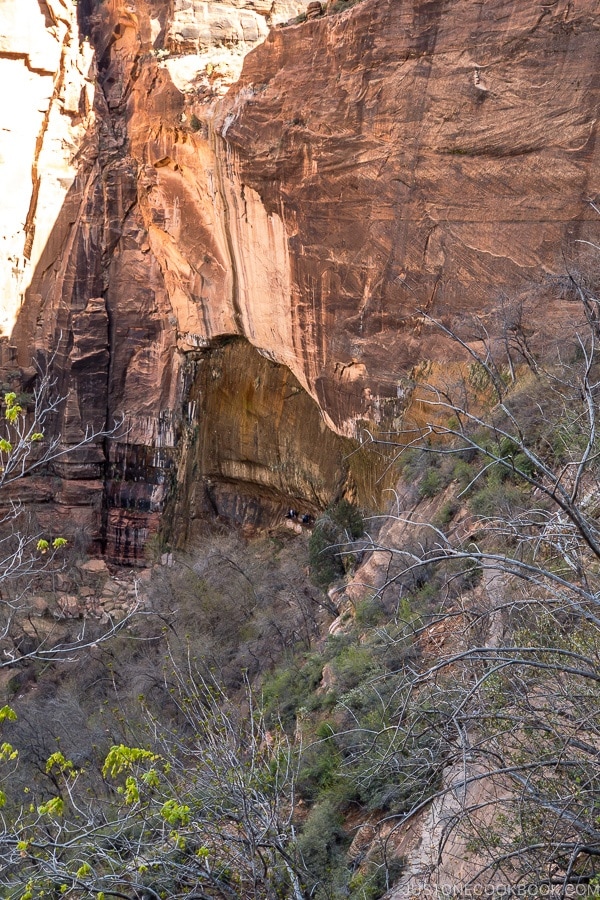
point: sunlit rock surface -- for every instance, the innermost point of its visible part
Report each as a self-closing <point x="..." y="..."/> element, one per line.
<point x="312" y="187"/>
<point x="46" y="108"/>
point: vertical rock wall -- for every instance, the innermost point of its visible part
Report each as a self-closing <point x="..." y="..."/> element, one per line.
<point x="46" y="109"/>
<point x="100" y="299"/>
<point x="311" y="187"/>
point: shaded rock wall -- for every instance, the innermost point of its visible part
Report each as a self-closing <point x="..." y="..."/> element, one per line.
<point x="255" y="445"/>
<point x="313" y="196"/>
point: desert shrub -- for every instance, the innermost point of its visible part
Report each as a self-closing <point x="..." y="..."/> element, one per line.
<point x="330" y="545"/>
<point x="325" y="561"/>
<point x="349" y="518"/>
<point x="414" y="463"/>
<point x="319" y="772"/>
<point x="320" y="845"/>
<point x="340" y="5"/>
<point x="462" y="472"/>
<point x="290" y="688"/>
<point x="431" y="483"/>
<point x="498" y="498"/>
<point x="369" y="612"/>
<point x="430" y="471"/>
<point x="446" y="513"/>
<point x="472" y="574"/>
<point x="374" y="880"/>
<point x="352" y="665"/>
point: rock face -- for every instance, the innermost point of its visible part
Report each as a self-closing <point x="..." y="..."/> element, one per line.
<point x="46" y="108"/>
<point x="255" y="445"/>
<point x="445" y="158"/>
<point x="313" y="195"/>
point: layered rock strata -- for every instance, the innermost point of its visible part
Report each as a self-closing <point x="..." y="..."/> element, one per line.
<point x="315" y="196"/>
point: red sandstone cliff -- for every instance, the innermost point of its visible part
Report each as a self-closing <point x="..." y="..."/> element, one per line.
<point x="312" y="196"/>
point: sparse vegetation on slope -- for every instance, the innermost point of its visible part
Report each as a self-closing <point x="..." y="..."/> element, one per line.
<point x="228" y="748"/>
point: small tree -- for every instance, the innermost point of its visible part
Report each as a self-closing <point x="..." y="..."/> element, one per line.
<point x="332" y="542"/>
<point x="203" y="811"/>
<point x="26" y="552"/>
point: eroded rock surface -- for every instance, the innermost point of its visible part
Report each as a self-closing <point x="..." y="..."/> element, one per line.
<point x="368" y="164"/>
<point x="46" y="109"/>
<point x="255" y="445"/>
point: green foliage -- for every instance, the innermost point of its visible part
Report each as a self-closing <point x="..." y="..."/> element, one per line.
<point x="321" y="842"/>
<point x="221" y="776"/>
<point x="330" y="545"/>
<point x="12" y="409"/>
<point x="43" y="546"/>
<point x="377" y="726"/>
<point x="414" y="462"/>
<point x="348" y="517"/>
<point x="369" y="612"/>
<point x="462" y="472"/>
<point x="339" y="6"/>
<point x="472" y="574"/>
<point x="291" y="687"/>
<point x="352" y="665"/>
<point x="496" y="497"/>
<point x="375" y="879"/>
<point x="53" y="807"/>
<point x="326" y="565"/>
<point x="446" y="513"/>
<point x="122" y="759"/>
<point x="131" y="791"/>
<point x="58" y="762"/>
<point x="175" y="813"/>
<point x="478" y="376"/>
<point x="151" y="778"/>
<point x="7" y="752"/>
<point x="428" y="470"/>
<point x="431" y="483"/>
<point x="319" y="771"/>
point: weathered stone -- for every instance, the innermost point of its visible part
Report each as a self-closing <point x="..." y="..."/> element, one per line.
<point x="117" y="615"/>
<point x="328" y="679"/>
<point x="46" y="109"/>
<point x="362" y="168"/>
<point x="62" y="581"/>
<point x="260" y="445"/>
<point x="110" y="589"/>
<point x="293" y="526"/>
<point x="38" y="605"/>
<point x="39" y="628"/>
<point x="314" y="9"/>
<point x="68" y="606"/>
<point x="96" y="567"/>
